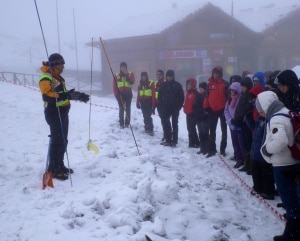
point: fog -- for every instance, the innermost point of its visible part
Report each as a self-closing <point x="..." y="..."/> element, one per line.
<point x="69" y="24"/>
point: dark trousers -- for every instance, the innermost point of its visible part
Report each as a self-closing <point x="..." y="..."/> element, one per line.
<point x="124" y="102"/>
<point x="170" y="131"/>
<point x="191" y="123"/>
<point x="214" y="116"/>
<point x="146" y="107"/>
<point x="286" y="186"/>
<point x="238" y="144"/>
<point x="59" y="135"/>
<point x="263" y="177"/>
<point x="161" y="119"/>
<point x="203" y="129"/>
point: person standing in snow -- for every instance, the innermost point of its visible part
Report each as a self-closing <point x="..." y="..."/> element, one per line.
<point x="146" y="101"/>
<point x="57" y="105"/>
<point x="288" y="85"/>
<point x="122" y="86"/>
<point x="275" y="150"/>
<point x="170" y="99"/>
<point x="217" y="97"/>
<point x="202" y="120"/>
<point x="235" y="129"/>
<point x="243" y="110"/>
<point x="191" y="98"/>
<point x="160" y="78"/>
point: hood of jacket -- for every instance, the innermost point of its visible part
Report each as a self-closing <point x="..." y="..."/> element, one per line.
<point x="261" y="78"/>
<point x="218" y="69"/>
<point x="236" y="86"/>
<point x="264" y="100"/>
<point x="193" y="83"/>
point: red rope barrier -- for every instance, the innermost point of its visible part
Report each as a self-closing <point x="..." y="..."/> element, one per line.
<point x="269" y="206"/>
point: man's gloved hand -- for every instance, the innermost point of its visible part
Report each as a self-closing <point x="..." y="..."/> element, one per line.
<point x="73" y="95"/>
<point x="153" y="111"/>
<point x="138" y="105"/>
<point x="83" y="97"/>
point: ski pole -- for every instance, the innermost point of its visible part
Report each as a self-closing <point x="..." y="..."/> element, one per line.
<point x="58" y="110"/>
<point x="90" y="145"/>
<point x="119" y="94"/>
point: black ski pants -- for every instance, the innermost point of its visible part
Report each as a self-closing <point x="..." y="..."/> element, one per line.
<point x="191" y="123"/>
<point x="124" y="102"/>
<point x="146" y="107"/>
<point x="59" y="125"/>
<point x="214" y="116"/>
<point x="170" y="131"/>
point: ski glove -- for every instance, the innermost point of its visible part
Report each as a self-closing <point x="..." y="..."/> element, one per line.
<point x="83" y="97"/>
<point x="73" y="95"/>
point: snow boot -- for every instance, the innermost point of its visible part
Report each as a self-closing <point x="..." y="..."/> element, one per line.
<point x="291" y="231"/>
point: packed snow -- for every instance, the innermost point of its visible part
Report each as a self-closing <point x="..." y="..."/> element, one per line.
<point x="133" y="187"/>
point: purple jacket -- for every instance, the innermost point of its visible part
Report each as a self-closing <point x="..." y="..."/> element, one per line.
<point x="229" y="110"/>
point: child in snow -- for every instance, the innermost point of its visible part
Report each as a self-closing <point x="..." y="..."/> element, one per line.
<point x="202" y="120"/>
<point x="189" y="109"/>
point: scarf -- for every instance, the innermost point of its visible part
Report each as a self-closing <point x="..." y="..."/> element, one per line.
<point x="234" y="99"/>
<point x="276" y="106"/>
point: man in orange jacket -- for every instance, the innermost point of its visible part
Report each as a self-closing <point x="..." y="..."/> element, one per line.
<point x="56" y="99"/>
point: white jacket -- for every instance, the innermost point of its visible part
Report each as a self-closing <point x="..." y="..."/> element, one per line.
<point x="279" y="134"/>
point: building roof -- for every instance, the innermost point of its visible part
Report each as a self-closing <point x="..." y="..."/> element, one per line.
<point x="260" y="18"/>
<point x="257" y="19"/>
<point x="151" y="23"/>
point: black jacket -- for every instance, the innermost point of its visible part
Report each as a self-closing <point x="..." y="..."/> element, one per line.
<point x="170" y="96"/>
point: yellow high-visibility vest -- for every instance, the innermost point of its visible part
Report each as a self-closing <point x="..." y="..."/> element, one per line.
<point x="55" y="86"/>
<point x="121" y="81"/>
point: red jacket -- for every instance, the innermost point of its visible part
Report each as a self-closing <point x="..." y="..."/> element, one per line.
<point x="217" y="94"/>
<point x="257" y="89"/>
<point x="190" y="97"/>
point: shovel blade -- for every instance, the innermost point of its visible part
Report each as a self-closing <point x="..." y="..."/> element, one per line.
<point x="93" y="147"/>
<point x="47" y="180"/>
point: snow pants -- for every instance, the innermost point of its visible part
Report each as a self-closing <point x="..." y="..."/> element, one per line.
<point x="59" y="136"/>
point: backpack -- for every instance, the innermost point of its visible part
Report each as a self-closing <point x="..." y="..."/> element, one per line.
<point x="295" y="119"/>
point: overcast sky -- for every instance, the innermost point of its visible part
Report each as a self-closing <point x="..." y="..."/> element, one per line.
<point x="91" y="18"/>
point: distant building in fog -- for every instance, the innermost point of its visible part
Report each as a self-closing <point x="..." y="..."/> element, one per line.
<point x="194" y="39"/>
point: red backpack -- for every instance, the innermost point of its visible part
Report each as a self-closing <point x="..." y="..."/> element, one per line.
<point x="295" y="119"/>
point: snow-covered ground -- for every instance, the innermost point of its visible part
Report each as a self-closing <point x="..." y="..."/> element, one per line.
<point x="117" y="194"/>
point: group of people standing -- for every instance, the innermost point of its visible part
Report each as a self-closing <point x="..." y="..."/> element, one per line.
<point x="167" y="96"/>
<point x="254" y="107"/>
<point x="244" y="104"/>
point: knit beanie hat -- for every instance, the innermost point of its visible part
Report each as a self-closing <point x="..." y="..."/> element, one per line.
<point x="272" y="78"/>
<point x="144" y="73"/>
<point x="54" y="59"/>
<point x="170" y="73"/>
<point x="203" y="85"/>
<point x="287" y="77"/>
<point x="235" y="78"/>
<point x="123" y="64"/>
<point x="247" y="82"/>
